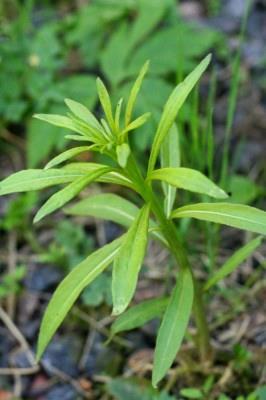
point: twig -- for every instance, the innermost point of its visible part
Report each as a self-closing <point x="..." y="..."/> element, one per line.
<point x="66" y="378"/>
<point x="99" y="327"/>
<point x="18" y="335"/>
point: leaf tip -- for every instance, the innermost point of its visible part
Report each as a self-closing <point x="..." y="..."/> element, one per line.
<point x="118" y="309"/>
<point x="37" y="217"/>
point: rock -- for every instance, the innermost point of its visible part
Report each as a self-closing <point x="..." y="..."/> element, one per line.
<point x="61" y="391"/>
<point x="42" y="277"/>
<point x="63" y="353"/>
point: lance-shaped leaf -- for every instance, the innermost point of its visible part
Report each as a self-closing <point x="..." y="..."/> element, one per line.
<point x="170" y="157"/>
<point x="137" y="123"/>
<point x="134" y="93"/>
<point x="235" y="215"/>
<point x="83" y="113"/>
<point x="115" y="176"/>
<point x="173" y="326"/>
<point x="139" y="315"/>
<point x="36" y="179"/>
<point x="111" y="207"/>
<point x="188" y="179"/>
<point x="233" y="262"/>
<point x="118" y="114"/>
<point x="172" y="106"/>
<point x="70" y="288"/>
<point x="106" y="103"/>
<point x="66" y="155"/>
<point x="62" y="197"/>
<point x="59" y="120"/>
<point x="129" y="260"/>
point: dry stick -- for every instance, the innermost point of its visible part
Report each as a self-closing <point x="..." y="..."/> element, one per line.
<point x="34" y="368"/>
<point x="12" y="261"/>
<point x="66" y="378"/>
<point x="18" y="335"/>
<point x="98" y="326"/>
<point x="12" y="138"/>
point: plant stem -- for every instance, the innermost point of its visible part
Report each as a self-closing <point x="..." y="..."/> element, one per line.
<point x="169" y="230"/>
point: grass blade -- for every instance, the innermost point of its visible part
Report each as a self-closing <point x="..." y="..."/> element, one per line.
<point x="233" y="262"/>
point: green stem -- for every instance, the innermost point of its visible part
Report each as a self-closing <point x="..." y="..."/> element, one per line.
<point x="169" y="230"/>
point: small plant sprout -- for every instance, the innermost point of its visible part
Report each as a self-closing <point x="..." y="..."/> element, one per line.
<point x="155" y="218"/>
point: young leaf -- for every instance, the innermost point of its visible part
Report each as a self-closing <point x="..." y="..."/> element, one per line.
<point x="134" y="93"/>
<point x="172" y="106"/>
<point x="83" y="113"/>
<point x="170" y="157"/>
<point x="188" y="179"/>
<point x="122" y="152"/>
<point x="115" y="176"/>
<point x="235" y="215"/>
<point x="36" y="179"/>
<point x="233" y="262"/>
<point x="138" y="315"/>
<point x="58" y="120"/>
<point x="68" y="193"/>
<point x="112" y="207"/>
<point x="70" y="288"/>
<point x="137" y="123"/>
<point x="106" y="103"/>
<point x="128" y="261"/>
<point x="66" y="155"/>
<point x="118" y="114"/>
<point x="173" y="326"/>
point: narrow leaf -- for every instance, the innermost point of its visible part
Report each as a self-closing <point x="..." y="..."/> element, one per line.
<point x="36" y="179"/>
<point x="139" y="315"/>
<point x="68" y="193"/>
<point x="235" y="215"/>
<point x="137" y="123"/>
<point x="118" y="114"/>
<point x="173" y="326"/>
<point x="58" y="120"/>
<point x="129" y="260"/>
<point x="111" y="207"/>
<point x="83" y="113"/>
<point x="66" y="155"/>
<point x="116" y="176"/>
<point x="172" y="106"/>
<point x="170" y="157"/>
<point x="233" y="262"/>
<point x="70" y="288"/>
<point x="134" y="93"/>
<point x="106" y="103"/>
<point x="188" y="179"/>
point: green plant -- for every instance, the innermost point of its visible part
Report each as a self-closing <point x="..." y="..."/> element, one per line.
<point x="111" y="136"/>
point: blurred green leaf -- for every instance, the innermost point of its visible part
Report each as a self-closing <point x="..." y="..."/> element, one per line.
<point x="131" y="389"/>
<point x="190" y="393"/>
